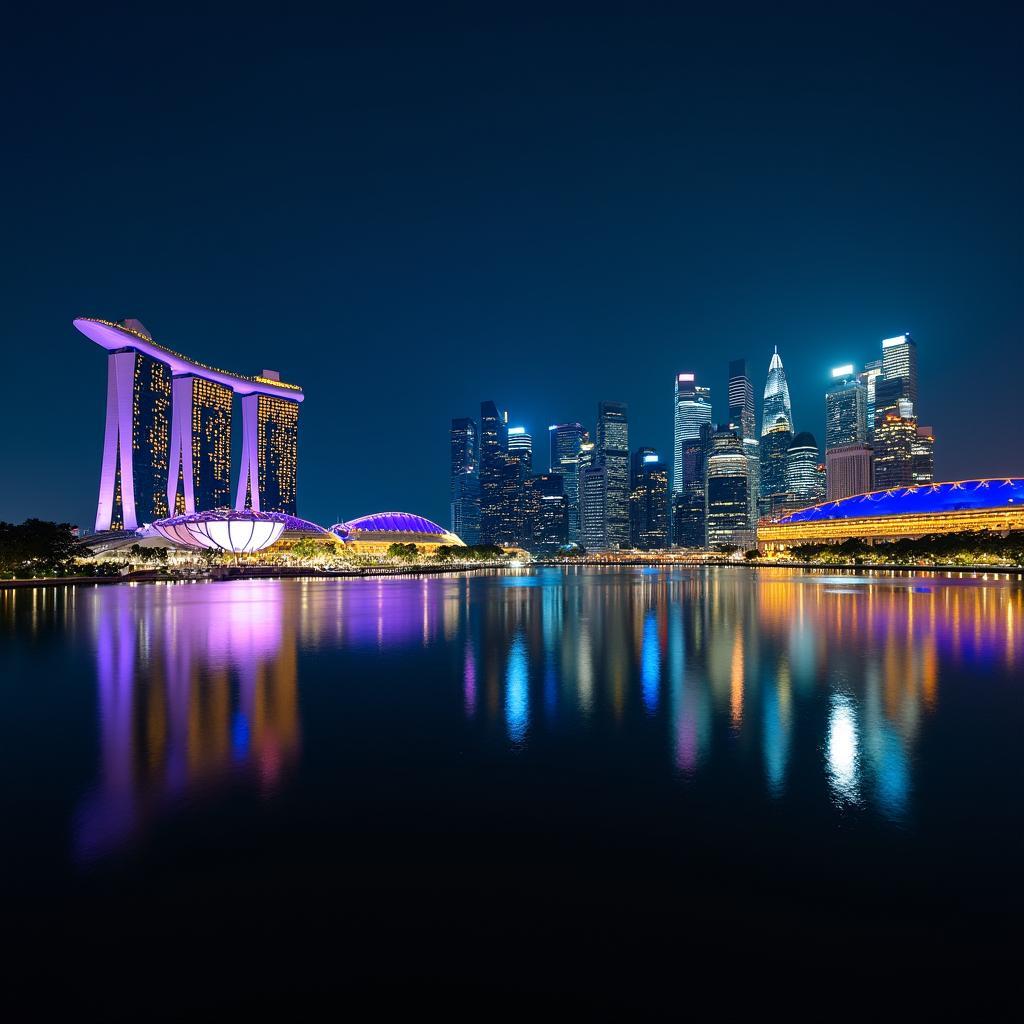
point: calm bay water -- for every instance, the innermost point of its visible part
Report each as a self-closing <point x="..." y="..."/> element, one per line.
<point x="586" y="784"/>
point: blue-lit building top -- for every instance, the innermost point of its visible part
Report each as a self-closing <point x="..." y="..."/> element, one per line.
<point x="925" y="499"/>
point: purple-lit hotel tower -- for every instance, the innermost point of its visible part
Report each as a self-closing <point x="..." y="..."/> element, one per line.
<point x="167" y="441"/>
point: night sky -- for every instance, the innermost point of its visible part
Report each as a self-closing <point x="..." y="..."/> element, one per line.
<point x="409" y="214"/>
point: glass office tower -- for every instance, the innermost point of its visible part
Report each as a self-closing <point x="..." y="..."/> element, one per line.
<point x="728" y="493"/>
<point x="692" y="410"/>
<point x="649" y="501"/>
<point x="564" y="443"/>
<point x="464" y="496"/>
<point x="776" y="396"/>
<point x="493" y="445"/>
<point x="845" y="409"/>
<point x="613" y="453"/>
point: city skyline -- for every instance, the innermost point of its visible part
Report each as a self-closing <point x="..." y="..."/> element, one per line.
<point x="523" y="250"/>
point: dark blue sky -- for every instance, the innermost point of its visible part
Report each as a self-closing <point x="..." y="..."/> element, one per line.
<point x="407" y="214"/>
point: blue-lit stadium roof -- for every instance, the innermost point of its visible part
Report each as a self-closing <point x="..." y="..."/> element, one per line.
<point x="389" y="522"/>
<point x="921" y="499"/>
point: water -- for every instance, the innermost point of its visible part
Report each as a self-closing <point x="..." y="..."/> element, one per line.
<point x="560" y="785"/>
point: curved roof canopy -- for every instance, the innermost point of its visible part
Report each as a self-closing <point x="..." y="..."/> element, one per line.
<point x="391" y="522"/>
<point x="920" y="499"/>
<point x="131" y="334"/>
<point x="235" y="530"/>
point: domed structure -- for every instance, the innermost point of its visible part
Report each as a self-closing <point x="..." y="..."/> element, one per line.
<point x="374" y="534"/>
<point x="238" y="531"/>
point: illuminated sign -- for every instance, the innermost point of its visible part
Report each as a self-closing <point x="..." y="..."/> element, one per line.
<point x="843" y="371"/>
<point x="685" y="376"/>
<point x="651" y="458"/>
<point x="898" y="340"/>
<point x="517" y="430"/>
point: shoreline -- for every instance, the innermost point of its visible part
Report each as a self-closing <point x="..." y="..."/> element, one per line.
<point x="230" y="573"/>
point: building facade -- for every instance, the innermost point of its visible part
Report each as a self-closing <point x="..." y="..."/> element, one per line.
<point x="849" y="470"/>
<point x="692" y="405"/>
<point x="895" y="440"/>
<point x="464" y="477"/>
<point x="167" y="439"/>
<point x="649" y="501"/>
<point x="564" y="443"/>
<point x="727" y="506"/>
<point x="200" y="468"/>
<point x="773" y="484"/>
<point x="845" y="409"/>
<point x="923" y="456"/>
<point x="594" y="508"/>
<point x="612" y="439"/>
<point x="776" y="396"/>
<point x="493" y="459"/>
<point x="803" y="476"/>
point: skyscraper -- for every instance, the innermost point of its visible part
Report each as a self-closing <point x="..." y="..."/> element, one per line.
<point x="741" y="400"/>
<point x="849" y="471"/>
<point x="923" y="456"/>
<point x="869" y="378"/>
<point x="546" y="513"/>
<point x="803" y="479"/>
<point x="493" y="459"/>
<point x="465" y="480"/>
<point x="728" y="493"/>
<point x="692" y="409"/>
<point x="899" y="363"/>
<point x="776" y="396"/>
<point x="270" y="453"/>
<point x="594" y="507"/>
<point x="895" y="440"/>
<point x="773" y="481"/>
<point x="200" y="468"/>
<point x="613" y="453"/>
<point x="520" y="448"/>
<point x="689" y="527"/>
<point x="845" y="409"/>
<point x="648" y="501"/>
<point x="136" y="449"/>
<point x="564" y="441"/>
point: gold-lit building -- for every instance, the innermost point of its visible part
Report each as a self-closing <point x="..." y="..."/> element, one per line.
<point x="902" y="512"/>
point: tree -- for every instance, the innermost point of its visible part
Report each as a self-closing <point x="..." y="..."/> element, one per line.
<point x="36" y="546"/>
<point x="405" y="552"/>
<point x="306" y="549"/>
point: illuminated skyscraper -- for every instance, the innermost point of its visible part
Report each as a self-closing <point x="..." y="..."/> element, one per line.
<point x="776" y="396"/>
<point x="520" y="448"/>
<point x="689" y="505"/>
<point x="136" y="445"/>
<point x="465" y="480"/>
<point x="728" y="493"/>
<point x="564" y="441"/>
<point x="648" y="501"/>
<point x="493" y="458"/>
<point x="869" y="378"/>
<point x="547" y="518"/>
<point x="923" y="456"/>
<point x="899" y="363"/>
<point x="613" y="453"/>
<point x="174" y="415"/>
<point x="741" y="400"/>
<point x="200" y="469"/>
<point x="773" y="481"/>
<point x="270" y="454"/>
<point x="803" y="479"/>
<point x="594" y="507"/>
<point x="845" y="409"/>
<point x="692" y="410"/>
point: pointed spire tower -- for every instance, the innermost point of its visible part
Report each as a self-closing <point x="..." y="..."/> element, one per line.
<point x="776" y="396"/>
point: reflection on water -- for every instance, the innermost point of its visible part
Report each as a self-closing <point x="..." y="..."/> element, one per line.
<point x="765" y="682"/>
<point x="194" y="685"/>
